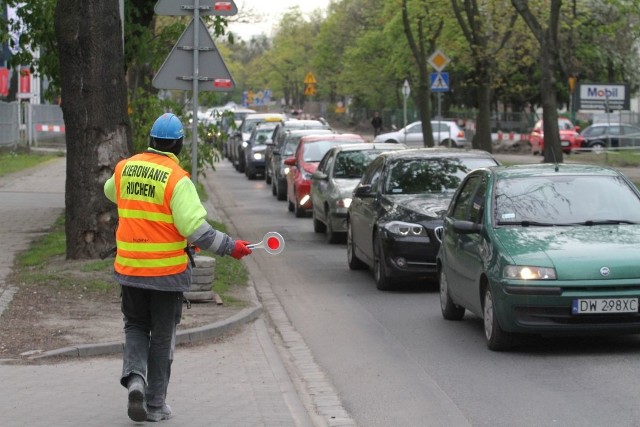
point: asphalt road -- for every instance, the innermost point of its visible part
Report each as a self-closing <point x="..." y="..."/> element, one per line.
<point x="393" y="359"/>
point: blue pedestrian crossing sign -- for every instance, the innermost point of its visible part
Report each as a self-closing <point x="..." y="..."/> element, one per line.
<point x="439" y="82"/>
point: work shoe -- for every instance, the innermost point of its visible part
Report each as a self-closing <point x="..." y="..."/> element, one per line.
<point x="137" y="407"/>
<point x="159" y="413"/>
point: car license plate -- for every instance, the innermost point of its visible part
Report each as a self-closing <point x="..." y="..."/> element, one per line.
<point x="565" y="143"/>
<point x="604" y="305"/>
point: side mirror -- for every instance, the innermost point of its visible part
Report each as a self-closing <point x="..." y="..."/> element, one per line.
<point x="466" y="227"/>
<point x="291" y="161"/>
<point x="363" y="191"/>
<point x="319" y="176"/>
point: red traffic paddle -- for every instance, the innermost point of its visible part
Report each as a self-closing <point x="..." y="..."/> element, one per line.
<point x="272" y="242"/>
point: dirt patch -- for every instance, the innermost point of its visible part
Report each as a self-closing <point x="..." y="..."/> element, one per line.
<point x="50" y="314"/>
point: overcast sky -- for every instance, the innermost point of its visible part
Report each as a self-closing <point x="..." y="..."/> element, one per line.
<point x="271" y="11"/>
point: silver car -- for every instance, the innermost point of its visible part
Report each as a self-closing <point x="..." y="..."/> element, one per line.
<point x="446" y="133"/>
<point x="332" y="183"/>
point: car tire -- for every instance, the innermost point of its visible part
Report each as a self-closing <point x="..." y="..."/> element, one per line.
<point x="332" y="236"/>
<point x="267" y="177"/>
<point x="290" y="205"/>
<point x="251" y="174"/>
<point x="298" y="210"/>
<point x="281" y="193"/>
<point x="597" y="146"/>
<point x="354" y="262"/>
<point x="383" y="283"/>
<point x="497" y="338"/>
<point x="274" y="190"/>
<point x="450" y="310"/>
<point x="318" y="226"/>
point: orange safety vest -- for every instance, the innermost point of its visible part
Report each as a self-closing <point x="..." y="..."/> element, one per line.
<point x="148" y="242"/>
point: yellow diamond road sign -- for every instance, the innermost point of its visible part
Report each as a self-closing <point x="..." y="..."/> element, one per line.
<point x="438" y="60"/>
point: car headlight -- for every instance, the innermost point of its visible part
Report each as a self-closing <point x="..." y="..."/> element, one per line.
<point x="285" y="170"/>
<point x="244" y="144"/>
<point x="344" y="203"/>
<point x="526" y="272"/>
<point x="257" y="156"/>
<point x="405" y="229"/>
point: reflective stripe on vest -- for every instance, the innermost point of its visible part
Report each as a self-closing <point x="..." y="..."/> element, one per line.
<point x="148" y="242"/>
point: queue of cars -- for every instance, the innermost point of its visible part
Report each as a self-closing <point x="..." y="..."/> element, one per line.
<point x="530" y="249"/>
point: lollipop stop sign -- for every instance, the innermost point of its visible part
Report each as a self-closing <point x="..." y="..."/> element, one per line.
<point x="272" y="242"/>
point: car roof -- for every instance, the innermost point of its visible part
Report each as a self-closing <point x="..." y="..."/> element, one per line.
<point x="369" y="146"/>
<point x="551" y="169"/>
<point x="265" y="116"/>
<point x="304" y="122"/>
<point x="333" y="137"/>
<point x="307" y="131"/>
<point x="438" y="152"/>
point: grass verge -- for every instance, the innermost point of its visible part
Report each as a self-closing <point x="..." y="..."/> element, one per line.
<point x="44" y="264"/>
<point x="12" y="161"/>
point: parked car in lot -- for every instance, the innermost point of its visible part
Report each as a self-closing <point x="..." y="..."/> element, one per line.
<point x="279" y="135"/>
<point x="543" y="249"/>
<point x="286" y="147"/>
<point x="617" y="135"/>
<point x="255" y="150"/>
<point x="394" y="222"/>
<point x="332" y="183"/>
<point x="305" y="161"/>
<point x="239" y="140"/>
<point x="570" y="139"/>
<point x="446" y="133"/>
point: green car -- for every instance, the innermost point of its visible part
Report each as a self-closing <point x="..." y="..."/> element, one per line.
<point x="542" y="249"/>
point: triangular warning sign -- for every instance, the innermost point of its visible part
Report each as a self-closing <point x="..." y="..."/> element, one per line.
<point x="310" y="79"/>
<point x="207" y="7"/>
<point x="177" y="70"/>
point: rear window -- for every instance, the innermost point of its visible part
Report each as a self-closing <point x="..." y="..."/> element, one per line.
<point x="314" y="151"/>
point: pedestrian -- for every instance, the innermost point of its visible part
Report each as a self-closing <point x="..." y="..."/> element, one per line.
<point x="376" y="122"/>
<point x="160" y="219"/>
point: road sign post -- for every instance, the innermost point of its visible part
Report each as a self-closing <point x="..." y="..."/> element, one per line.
<point x="406" y="91"/>
<point x="439" y="80"/>
<point x="175" y="72"/>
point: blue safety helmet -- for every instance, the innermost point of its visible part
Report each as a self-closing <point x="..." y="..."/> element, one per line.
<point x="167" y="126"/>
<point x="167" y="134"/>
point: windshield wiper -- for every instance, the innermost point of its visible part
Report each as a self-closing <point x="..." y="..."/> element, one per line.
<point x="605" y="222"/>
<point x="527" y="223"/>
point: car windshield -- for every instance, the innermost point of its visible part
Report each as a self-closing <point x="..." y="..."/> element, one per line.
<point x="262" y="136"/>
<point x="565" y="200"/>
<point x="290" y="146"/>
<point x="351" y="164"/>
<point x="315" y="150"/>
<point x="436" y="175"/>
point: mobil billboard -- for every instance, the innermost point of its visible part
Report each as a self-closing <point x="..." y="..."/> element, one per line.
<point x="603" y="97"/>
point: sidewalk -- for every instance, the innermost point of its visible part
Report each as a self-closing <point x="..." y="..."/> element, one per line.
<point x="236" y="380"/>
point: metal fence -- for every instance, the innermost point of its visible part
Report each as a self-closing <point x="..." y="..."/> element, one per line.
<point x="9" y="124"/>
<point x="25" y="124"/>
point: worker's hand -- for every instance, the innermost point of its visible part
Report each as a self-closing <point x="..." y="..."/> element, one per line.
<point x="240" y="249"/>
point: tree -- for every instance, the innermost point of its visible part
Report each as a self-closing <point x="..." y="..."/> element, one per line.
<point x="94" y="105"/>
<point x="422" y="45"/>
<point x="549" y="67"/>
<point x="486" y="30"/>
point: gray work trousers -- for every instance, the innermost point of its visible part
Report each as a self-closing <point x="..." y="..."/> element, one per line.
<point x="150" y="320"/>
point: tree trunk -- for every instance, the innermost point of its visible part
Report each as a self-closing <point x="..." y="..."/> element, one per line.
<point x="548" y="65"/>
<point x="482" y="138"/>
<point x="94" y="106"/>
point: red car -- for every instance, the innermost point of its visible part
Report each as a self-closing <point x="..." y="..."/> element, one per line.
<point x="305" y="161"/>
<point x="570" y="139"/>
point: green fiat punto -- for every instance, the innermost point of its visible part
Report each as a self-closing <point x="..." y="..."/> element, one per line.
<point x="543" y="249"/>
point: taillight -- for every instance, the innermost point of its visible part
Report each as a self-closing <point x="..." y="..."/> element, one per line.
<point x="460" y="134"/>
